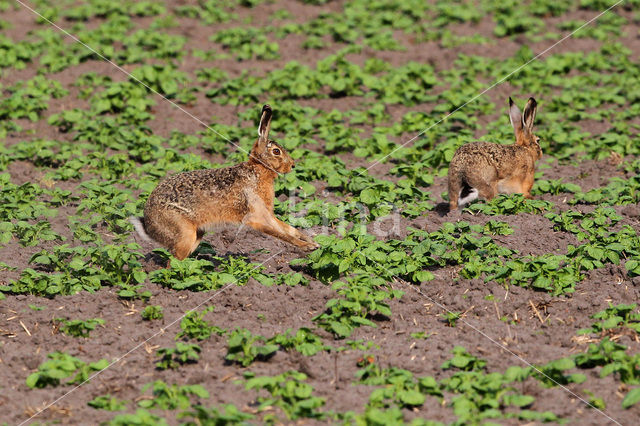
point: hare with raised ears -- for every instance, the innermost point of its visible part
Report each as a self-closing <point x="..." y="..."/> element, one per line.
<point x="482" y="169"/>
<point x="182" y="207"/>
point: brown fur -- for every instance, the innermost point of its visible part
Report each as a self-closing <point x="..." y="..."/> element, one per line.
<point x="491" y="168"/>
<point x="182" y="207"/>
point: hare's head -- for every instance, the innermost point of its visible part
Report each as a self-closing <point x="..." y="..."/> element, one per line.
<point x="266" y="152"/>
<point x="523" y="125"/>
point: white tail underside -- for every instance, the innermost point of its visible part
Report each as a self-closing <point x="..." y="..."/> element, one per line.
<point x="471" y="196"/>
<point x="137" y="224"/>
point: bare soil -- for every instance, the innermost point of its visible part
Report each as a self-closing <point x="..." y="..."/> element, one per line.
<point x="27" y="336"/>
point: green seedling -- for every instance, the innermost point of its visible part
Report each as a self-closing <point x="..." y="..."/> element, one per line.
<point x="224" y="414"/>
<point x="77" y="328"/>
<point x="108" y="403"/>
<point x="451" y="318"/>
<point x="290" y="393"/>
<point x="171" y="397"/>
<point x="152" y="312"/>
<point x="173" y="358"/>
<point x="61" y="366"/>
<point x="304" y="341"/>
<point x="243" y="347"/>
<point x="140" y="417"/>
<point x="195" y="327"/>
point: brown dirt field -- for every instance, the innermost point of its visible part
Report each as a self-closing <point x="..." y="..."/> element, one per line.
<point x="27" y="336"/>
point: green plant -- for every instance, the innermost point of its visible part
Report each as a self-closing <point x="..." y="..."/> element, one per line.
<point x="631" y="398"/>
<point x="152" y="312"/>
<point x="134" y="292"/>
<point x="78" y="328"/>
<point x="510" y="204"/>
<point x="243" y="347"/>
<point x="552" y="373"/>
<point x="208" y="11"/>
<point x="292" y="279"/>
<point x="463" y="360"/>
<point x="304" y="341"/>
<point x="554" y="187"/>
<point x="61" y="366"/>
<point x="32" y="234"/>
<point x="141" y="417"/>
<point x="362" y="298"/>
<point x="422" y="335"/>
<point x="613" y="359"/>
<point x="183" y="353"/>
<point x="203" y="275"/>
<point x="595" y="401"/>
<point x="36" y="308"/>
<point x="225" y="414"/>
<point x="107" y="402"/>
<point x="170" y="397"/>
<point x="288" y="392"/>
<point x="73" y="269"/>
<point x="401" y="388"/>
<point x="451" y="318"/>
<point x="21" y="201"/>
<point x="195" y="327"/>
<point x="28" y="99"/>
<point x="617" y="192"/>
<point x="247" y="43"/>
<point x="621" y="315"/>
<point x="165" y="80"/>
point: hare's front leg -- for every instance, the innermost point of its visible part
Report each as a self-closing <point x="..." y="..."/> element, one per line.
<point x="261" y="219"/>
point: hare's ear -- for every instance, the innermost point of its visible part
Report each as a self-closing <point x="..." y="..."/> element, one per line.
<point x="265" y="124"/>
<point x="529" y="114"/>
<point x="515" y="116"/>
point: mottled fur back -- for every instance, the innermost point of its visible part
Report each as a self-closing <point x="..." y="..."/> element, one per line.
<point x="188" y="192"/>
<point x="476" y="156"/>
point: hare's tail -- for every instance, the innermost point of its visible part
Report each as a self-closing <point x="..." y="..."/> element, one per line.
<point x="467" y="195"/>
<point x="460" y="192"/>
<point x="138" y="224"/>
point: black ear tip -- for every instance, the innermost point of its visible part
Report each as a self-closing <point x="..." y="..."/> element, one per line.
<point x="533" y="102"/>
<point x="266" y="107"/>
<point x="510" y="101"/>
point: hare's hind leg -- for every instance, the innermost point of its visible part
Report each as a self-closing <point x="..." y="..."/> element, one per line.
<point x="199" y="235"/>
<point x="485" y="181"/>
<point x="174" y="231"/>
<point x="454" y="193"/>
<point x="186" y="241"/>
<point x="486" y="190"/>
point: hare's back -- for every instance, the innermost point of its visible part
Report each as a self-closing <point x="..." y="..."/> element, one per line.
<point x="192" y="189"/>
<point x="477" y="154"/>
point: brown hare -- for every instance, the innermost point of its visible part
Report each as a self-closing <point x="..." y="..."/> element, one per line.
<point x="182" y="207"/>
<point x="482" y="169"/>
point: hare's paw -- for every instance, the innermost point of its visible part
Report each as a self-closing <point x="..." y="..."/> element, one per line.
<point x="307" y="243"/>
<point x="309" y="246"/>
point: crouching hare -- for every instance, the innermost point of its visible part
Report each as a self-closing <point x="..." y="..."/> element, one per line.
<point x="482" y="169"/>
<point x="182" y="207"/>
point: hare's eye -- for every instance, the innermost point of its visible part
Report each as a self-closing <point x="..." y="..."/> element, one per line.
<point x="276" y="151"/>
